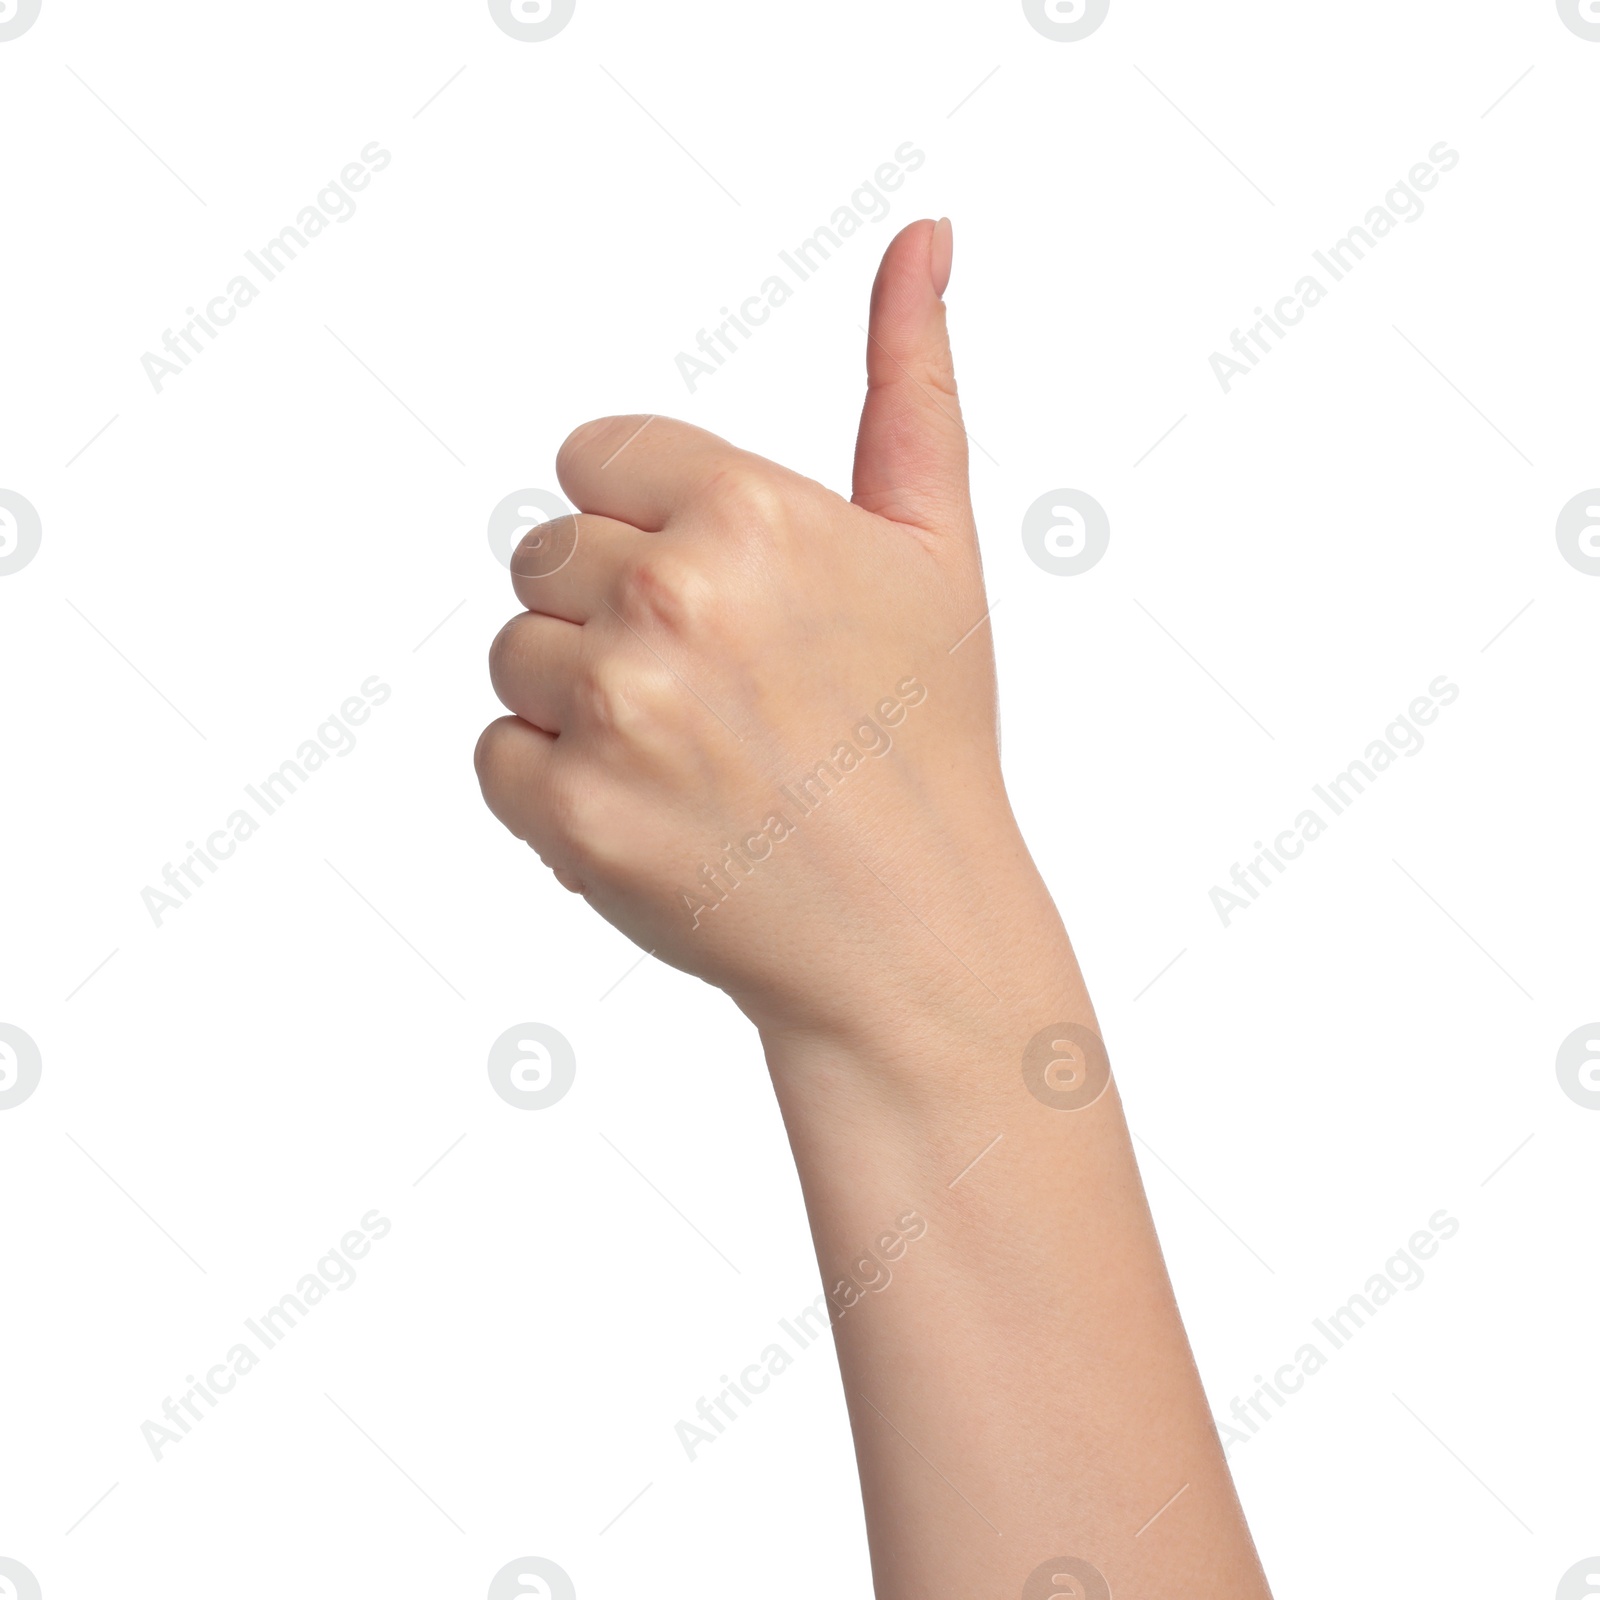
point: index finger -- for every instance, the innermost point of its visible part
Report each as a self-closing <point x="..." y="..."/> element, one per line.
<point x="639" y="469"/>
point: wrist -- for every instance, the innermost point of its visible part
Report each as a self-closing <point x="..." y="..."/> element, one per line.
<point x="943" y="1007"/>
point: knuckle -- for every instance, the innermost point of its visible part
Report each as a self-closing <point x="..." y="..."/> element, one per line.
<point x="608" y="697"/>
<point x="563" y="816"/>
<point x="940" y="376"/>
<point x="579" y="817"/>
<point x="748" y="499"/>
<point x="667" y="592"/>
<point x="625" y="698"/>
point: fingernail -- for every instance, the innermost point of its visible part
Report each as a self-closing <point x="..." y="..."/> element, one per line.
<point x="943" y="252"/>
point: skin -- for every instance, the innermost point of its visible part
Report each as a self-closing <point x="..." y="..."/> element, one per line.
<point x="708" y="629"/>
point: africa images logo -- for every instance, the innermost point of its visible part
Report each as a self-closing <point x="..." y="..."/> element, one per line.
<point x="16" y="17"/>
<point x="15" y="1579"/>
<point x="20" y="532"/>
<point x="20" y="1066"/>
<point x="532" y="21"/>
<point x="1066" y="21"/>
<point x="1582" y="16"/>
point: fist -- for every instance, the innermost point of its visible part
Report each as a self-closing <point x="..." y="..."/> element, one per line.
<point x="752" y="722"/>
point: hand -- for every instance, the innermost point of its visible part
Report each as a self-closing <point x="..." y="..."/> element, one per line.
<point x="739" y="698"/>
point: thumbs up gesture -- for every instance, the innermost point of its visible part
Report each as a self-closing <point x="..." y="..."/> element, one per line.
<point x="752" y="722"/>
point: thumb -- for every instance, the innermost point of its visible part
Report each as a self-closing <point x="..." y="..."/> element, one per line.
<point x="911" y="452"/>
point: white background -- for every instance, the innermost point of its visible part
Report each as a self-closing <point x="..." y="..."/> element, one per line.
<point x="306" y="506"/>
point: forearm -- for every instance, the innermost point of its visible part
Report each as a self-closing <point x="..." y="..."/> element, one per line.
<point x="1019" y="1382"/>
